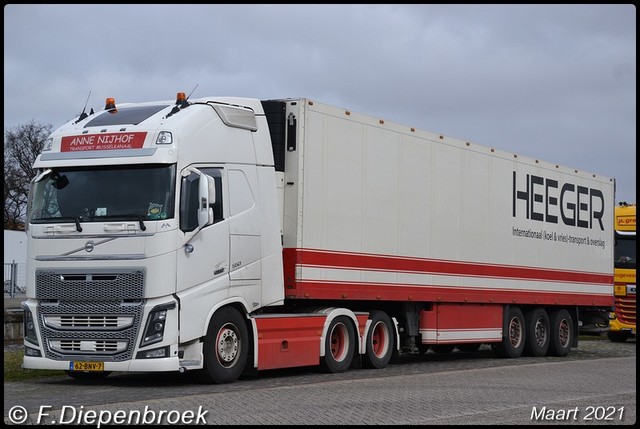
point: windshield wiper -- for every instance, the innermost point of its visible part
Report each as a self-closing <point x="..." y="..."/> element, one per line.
<point x="142" y="227"/>
<point x="78" y="226"/>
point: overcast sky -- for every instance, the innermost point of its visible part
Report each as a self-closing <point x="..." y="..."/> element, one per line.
<point x="553" y="82"/>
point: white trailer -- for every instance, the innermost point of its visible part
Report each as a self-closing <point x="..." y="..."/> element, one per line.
<point x="228" y="234"/>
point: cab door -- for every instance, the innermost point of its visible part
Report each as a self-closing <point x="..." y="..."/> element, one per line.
<point x="203" y="262"/>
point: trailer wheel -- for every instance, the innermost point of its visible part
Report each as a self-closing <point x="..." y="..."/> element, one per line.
<point x="379" y="342"/>
<point x="538" y="335"/>
<point x="512" y="344"/>
<point x="226" y="346"/>
<point x="561" y="333"/>
<point x="339" y="345"/>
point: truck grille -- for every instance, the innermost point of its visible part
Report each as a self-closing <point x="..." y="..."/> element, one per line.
<point x="88" y="322"/>
<point x="90" y="314"/>
<point x="89" y="286"/>
<point x="83" y="346"/>
<point x="626" y="309"/>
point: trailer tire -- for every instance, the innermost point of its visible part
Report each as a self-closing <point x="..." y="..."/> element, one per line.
<point x="339" y="345"/>
<point x="226" y="347"/>
<point x="561" y="333"/>
<point x="379" y="342"/>
<point x="538" y="333"/>
<point x="513" y="341"/>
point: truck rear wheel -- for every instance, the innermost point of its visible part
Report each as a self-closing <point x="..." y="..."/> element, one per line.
<point x="339" y="345"/>
<point x="226" y="346"/>
<point x="379" y="342"/>
<point x="537" y="336"/>
<point x="561" y="332"/>
<point x="513" y="339"/>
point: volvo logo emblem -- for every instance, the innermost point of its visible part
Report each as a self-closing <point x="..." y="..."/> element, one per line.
<point x="88" y="247"/>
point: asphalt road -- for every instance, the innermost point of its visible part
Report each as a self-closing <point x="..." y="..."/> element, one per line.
<point x="595" y="384"/>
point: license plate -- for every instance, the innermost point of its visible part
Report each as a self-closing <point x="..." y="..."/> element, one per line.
<point x="86" y="366"/>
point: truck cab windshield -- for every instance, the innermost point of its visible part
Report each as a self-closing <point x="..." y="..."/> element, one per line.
<point x="624" y="251"/>
<point x="98" y="194"/>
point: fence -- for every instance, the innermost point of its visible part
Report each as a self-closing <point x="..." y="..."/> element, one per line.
<point x="13" y="273"/>
<point x="14" y="287"/>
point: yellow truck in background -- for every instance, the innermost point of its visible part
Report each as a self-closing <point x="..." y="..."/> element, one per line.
<point x="623" y="319"/>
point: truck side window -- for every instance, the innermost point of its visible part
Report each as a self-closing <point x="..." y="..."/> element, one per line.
<point x="216" y="173"/>
<point x="189" y="199"/>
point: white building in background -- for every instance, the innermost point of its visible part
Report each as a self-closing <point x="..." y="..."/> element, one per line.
<point x="15" y="250"/>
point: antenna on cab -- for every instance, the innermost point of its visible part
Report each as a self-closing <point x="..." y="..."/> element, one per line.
<point x="83" y="115"/>
<point x="192" y="92"/>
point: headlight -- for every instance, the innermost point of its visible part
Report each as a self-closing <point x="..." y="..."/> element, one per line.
<point x="154" y="330"/>
<point x="29" y="327"/>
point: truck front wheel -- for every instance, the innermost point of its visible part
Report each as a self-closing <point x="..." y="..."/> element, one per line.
<point x="339" y="345"/>
<point x="379" y="343"/>
<point x="225" y="346"/>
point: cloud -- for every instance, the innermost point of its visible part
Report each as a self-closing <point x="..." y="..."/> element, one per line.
<point x="554" y="82"/>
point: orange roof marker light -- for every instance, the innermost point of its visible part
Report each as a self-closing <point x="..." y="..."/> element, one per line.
<point x="110" y="105"/>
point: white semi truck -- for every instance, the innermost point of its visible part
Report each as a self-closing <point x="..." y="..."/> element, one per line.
<point x="223" y="235"/>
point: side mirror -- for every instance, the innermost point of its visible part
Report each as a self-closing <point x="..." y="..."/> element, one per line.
<point x="197" y="204"/>
<point x="206" y="198"/>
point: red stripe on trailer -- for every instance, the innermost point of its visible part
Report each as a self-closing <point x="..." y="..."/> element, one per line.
<point x="437" y="293"/>
<point x="286" y="341"/>
<point x="400" y="264"/>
